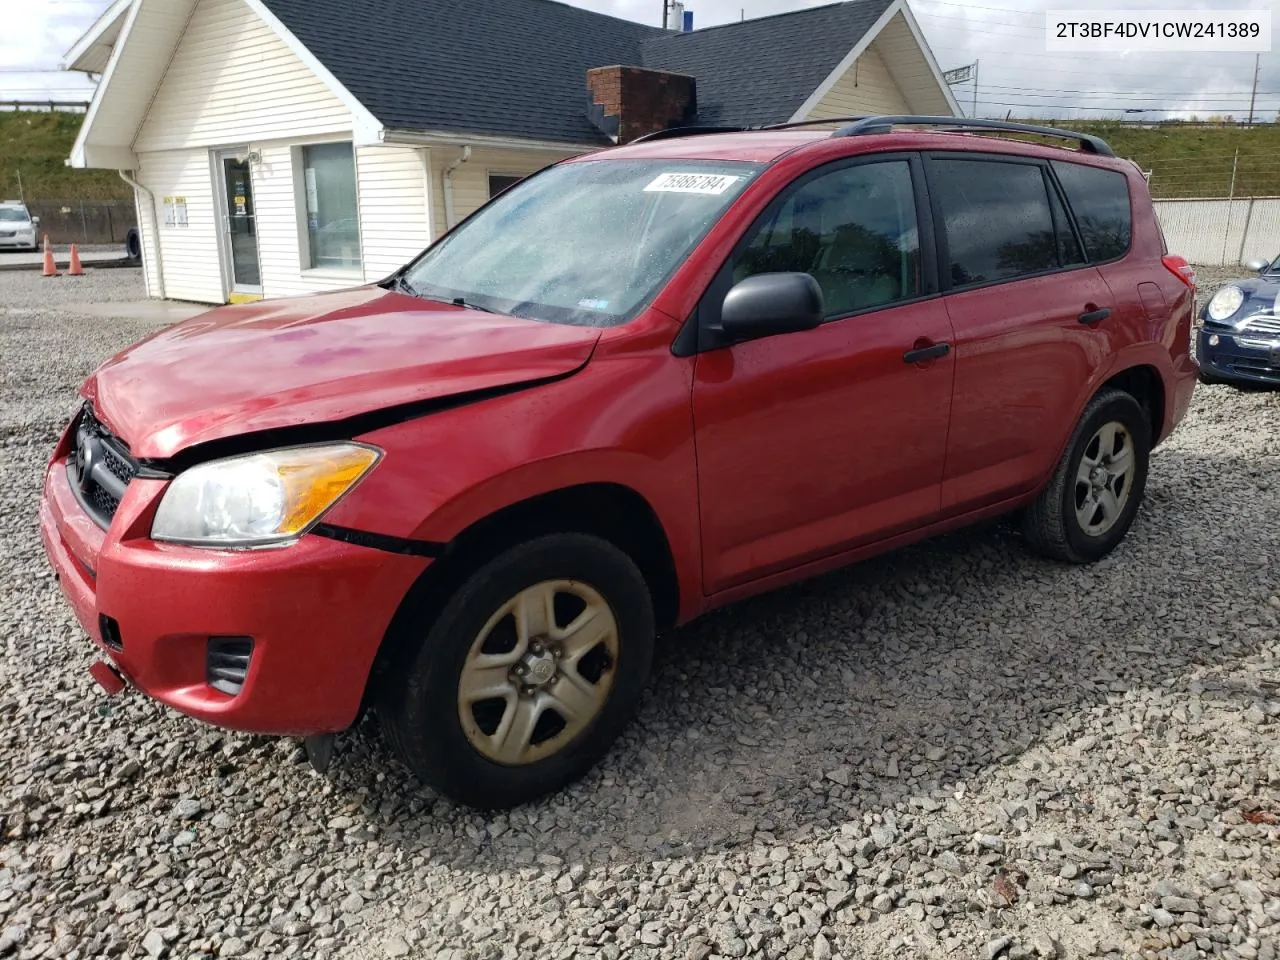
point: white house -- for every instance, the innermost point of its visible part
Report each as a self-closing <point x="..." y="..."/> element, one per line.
<point x="280" y="147"/>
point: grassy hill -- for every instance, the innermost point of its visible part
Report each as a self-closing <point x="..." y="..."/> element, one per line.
<point x="1194" y="160"/>
<point x="1186" y="160"/>
<point x="37" y="144"/>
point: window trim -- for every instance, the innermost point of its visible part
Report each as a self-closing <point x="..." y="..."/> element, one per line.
<point x="1055" y="189"/>
<point x="944" y="252"/>
<point x="1128" y="189"/>
<point x="699" y="332"/>
<point x="297" y="158"/>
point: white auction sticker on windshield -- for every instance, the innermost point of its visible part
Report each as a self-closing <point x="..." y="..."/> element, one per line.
<point x="712" y="184"/>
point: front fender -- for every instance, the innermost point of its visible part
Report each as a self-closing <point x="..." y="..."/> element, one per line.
<point x="623" y="420"/>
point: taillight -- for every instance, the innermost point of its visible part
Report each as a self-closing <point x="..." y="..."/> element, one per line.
<point x="1179" y="267"/>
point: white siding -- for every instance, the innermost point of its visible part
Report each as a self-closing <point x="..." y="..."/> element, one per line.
<point x="395" y="213"/>
<point x="471" y="180"/>
<point x="279" y="238"/>
<point x="157" y="24"/>
<point x="190" y="254"/>
<point x="910" y="70"/>
<point x="150" y="265"/>
<point x="233" y="80"/>
<point x="866" y="87"/>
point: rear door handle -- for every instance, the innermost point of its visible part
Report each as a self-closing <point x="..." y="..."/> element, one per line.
<point x="923" y="354"/>
<point x="1094" y="316"/>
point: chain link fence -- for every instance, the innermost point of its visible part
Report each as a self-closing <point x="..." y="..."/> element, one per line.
<point x="84" y="221"/>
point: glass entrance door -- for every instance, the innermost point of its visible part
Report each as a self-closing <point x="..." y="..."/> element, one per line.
<point x="240" y="227"/>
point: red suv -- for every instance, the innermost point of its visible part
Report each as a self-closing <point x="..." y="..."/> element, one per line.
<point x="640" y="384"/>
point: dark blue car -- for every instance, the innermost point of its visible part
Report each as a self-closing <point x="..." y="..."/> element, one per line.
<point x="1239" y="337"/>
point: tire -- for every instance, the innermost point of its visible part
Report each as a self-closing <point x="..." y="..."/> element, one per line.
<point x="1053" y="524"/>
<point x="461" y="750"/>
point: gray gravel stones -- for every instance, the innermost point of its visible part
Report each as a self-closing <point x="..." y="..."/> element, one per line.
<point x="928" y="755"/>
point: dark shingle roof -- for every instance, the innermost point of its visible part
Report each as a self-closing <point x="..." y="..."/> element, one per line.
<point x="761" y="71"/>
<point x="518" y="67"/>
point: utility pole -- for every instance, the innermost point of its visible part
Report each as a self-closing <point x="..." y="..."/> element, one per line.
<point x="1231" y="196"/>
<point x="973" y="114"/>
<point x="1257" y="62"/>
<point x="22" y="197"/>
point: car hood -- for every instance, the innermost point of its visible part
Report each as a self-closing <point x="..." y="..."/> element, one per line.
<point x="278" y="364"/>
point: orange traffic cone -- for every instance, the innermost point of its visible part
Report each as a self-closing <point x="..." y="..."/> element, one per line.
<point x="75" y="270"/>
<point x="50" y="268"/>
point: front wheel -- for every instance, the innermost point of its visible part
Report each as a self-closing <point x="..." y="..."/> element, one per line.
<point x="527" y="675"/>
<point x="1097" y="487"/>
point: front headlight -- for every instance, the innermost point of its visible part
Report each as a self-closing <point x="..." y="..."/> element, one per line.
<point x="1225" y="303"/>
<point x="259" y="499"/>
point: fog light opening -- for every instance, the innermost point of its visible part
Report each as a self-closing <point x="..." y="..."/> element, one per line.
<point x="227" y="663"/>
<point x="1214" y="340"/>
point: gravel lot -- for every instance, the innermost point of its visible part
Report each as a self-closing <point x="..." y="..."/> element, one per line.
<point x="956" y="750"/>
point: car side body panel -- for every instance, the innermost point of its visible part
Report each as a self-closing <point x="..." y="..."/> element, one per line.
<point x="509" y="449"/>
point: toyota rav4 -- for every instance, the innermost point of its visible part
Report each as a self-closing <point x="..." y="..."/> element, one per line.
<point x="638" y="385"/>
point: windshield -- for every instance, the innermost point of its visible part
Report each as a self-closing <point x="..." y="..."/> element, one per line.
<point x="584" y="243"/>
<point x="15" y="214"/>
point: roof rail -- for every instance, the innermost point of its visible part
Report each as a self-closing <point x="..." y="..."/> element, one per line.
<point x="672" y="132"/>
<point x="868" y="125"/>
<point x="809" y="123"/>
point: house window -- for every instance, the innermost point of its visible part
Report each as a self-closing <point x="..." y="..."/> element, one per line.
<point x="329" y="183"/>
<point x="499" y="182"/>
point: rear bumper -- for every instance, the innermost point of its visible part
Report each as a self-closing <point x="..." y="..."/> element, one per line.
<point x="1235" y="358"/>
<point x="316" y="612"/>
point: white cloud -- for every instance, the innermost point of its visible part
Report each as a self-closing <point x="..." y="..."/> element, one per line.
<point x="38" y="32"/>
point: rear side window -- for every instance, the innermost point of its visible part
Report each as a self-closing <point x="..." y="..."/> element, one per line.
<point x="1100" y="200"/>
<point x="996" y="218"/>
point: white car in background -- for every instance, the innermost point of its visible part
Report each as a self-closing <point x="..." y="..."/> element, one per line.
<point x="17" y="226"/>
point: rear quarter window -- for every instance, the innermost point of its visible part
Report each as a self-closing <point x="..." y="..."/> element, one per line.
<point x="1100" y="200"/>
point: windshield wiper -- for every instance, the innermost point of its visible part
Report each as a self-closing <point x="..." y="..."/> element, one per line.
<point x="462" y="302"/>
<point x="401" y="284"/>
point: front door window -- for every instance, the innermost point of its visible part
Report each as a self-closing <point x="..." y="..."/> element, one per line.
<point x="241" y="224"/>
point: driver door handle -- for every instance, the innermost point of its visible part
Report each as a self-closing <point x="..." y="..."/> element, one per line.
<point x="925" y="354"/>
<point x="1094" y="316"/>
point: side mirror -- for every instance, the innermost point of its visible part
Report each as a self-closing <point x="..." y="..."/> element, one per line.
<point x="35" y="221"/>
<point x="1257" y="266"/>
<point x="769" y="304"/>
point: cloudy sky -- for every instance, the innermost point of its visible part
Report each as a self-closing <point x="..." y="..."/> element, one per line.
<point x="1006" y="37"/>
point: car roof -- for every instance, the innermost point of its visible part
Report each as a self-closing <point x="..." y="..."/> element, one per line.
<point x="767" y="146"/>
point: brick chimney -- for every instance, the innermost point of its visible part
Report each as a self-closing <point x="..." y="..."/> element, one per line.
<point x="628" y="102"/>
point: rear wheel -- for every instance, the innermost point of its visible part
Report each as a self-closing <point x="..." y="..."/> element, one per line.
<point x="528" y="673"/>
<point x="1094" y="494"/>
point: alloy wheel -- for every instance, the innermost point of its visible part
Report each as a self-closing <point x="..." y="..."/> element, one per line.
<point x="1104" y="478"/>
<point x="538" y="673"/>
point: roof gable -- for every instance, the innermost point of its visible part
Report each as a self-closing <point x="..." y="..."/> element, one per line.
<point x="761" y="71"/>
<point x="508" y="69"/>
<point x="518" y="67"/>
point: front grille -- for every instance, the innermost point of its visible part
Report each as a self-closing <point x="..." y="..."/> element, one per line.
<point x="1262" y="323"/>
<point x="100" y="469"/>
<point x="1255" y="368"/>
<point x="227" y="663"/>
